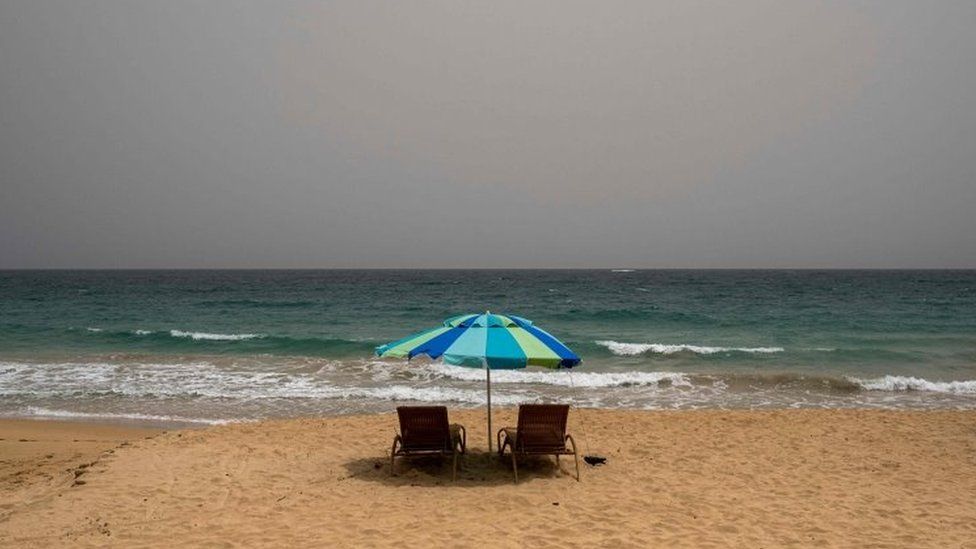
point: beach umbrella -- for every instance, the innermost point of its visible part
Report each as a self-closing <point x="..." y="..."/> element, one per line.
<point x="489" y="341"/>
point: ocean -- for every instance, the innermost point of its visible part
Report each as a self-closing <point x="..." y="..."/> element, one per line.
<point x="201" y="347"/>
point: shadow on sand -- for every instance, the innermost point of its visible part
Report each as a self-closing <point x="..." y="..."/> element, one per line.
<point x="474" y="468"/>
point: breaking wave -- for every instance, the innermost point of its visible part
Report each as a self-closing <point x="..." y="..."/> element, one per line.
<point x="633" y="349"/>
<point x="212" y="337"/>
<point x="907" y="383"/>
<point x="564" y="378"/>
<point x="181" y="339"/>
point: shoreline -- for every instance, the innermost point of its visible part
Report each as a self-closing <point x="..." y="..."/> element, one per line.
<point x="121" y="421"/>
<point x="204" y="389"/>
<point x="675" y="478"/>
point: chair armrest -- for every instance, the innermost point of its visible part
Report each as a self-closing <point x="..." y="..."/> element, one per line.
<point x="572" y="442"/>
<point x="507" y="442"/>
<point x="462" y="435"/>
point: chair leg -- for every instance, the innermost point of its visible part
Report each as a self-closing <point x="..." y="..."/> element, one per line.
<point x="514" y="466"/>
<point x="575" y="455"/>
<point x="396" y="440"/>
<point x="454" y="468"/>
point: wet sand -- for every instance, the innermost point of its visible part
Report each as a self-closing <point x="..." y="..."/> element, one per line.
<point x="834" y="478"/>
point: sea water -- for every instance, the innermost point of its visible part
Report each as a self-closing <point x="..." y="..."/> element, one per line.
<point x="216" y="346"/>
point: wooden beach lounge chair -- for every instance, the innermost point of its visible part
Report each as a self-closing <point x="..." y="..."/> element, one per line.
<point x="425" y="431"/>
<point x="541" y="431"/>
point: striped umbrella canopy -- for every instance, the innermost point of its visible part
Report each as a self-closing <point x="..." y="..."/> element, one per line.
<point x="489" y="341"/>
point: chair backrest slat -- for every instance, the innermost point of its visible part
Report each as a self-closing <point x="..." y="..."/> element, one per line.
<point x="542" y="426"/>
<point x="424" y="427"/>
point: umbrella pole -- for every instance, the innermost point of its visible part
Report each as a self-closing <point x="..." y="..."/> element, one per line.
<point x="488" y="373"/>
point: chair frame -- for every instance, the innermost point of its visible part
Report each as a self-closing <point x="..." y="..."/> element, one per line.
<point x="452" y="442"/>
<point x="522" y="444"/>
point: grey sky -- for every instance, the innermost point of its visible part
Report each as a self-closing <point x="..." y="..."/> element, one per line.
<point x="496" y="134"/>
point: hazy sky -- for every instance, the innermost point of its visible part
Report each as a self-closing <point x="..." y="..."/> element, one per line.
<point x="489" y="134"/>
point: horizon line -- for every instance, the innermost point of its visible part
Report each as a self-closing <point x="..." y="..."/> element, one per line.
<point x="615" y="268"/>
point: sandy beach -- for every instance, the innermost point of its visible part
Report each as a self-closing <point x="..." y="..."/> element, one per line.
<point x="732" y="240"/>
<point x="691" y="478"/>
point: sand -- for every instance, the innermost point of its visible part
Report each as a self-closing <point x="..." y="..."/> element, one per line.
<point x="683" y="479"/>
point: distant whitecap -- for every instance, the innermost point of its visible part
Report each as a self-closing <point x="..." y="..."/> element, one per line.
<point x="633" y="349"/>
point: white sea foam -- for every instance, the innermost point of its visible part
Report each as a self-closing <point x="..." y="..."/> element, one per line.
<point x="398" y="393"/>
<point x="253" y="387"/>
<point x="213" y="337"/>
<point x="90" y="329"/>
<point x="905" y="383"/>
<point x="35" y="411"/>
<point x="632" y="349"/>
<point x="206" y="380"/>
<point x="564" y="378"/>
<point x="142" y="332"/>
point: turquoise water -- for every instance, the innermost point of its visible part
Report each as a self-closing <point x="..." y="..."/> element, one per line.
<point x="224" y="345"/>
